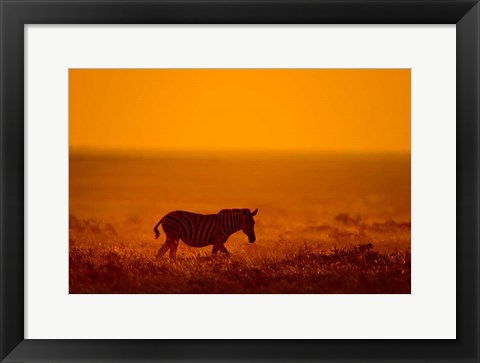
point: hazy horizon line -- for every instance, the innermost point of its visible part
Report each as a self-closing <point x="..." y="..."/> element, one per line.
<point x="227" y="152"/>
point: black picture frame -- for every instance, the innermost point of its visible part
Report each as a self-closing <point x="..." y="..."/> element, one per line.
<point x="16" y="13"/>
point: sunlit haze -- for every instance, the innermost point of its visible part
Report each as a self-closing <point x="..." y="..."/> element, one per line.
<point x="304" y="110"/>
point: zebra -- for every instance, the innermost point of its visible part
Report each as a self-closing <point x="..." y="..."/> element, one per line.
<point x="200" y="230"/>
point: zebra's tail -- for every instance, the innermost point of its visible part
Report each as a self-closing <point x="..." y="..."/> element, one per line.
<point x="157" y="233"/>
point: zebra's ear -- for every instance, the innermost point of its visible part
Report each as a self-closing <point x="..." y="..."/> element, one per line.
<point x="254" y="212"/>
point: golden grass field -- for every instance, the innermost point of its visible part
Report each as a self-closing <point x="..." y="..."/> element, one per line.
<point x="327" y="223"/>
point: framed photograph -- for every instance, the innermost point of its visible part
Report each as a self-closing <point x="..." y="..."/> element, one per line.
<point x="239" y="181"/>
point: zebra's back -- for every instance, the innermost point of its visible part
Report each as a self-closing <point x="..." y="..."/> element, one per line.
<point x="194" y="229"/>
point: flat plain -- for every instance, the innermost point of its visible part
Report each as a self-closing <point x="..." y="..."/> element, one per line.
<point x="327" y="223"/>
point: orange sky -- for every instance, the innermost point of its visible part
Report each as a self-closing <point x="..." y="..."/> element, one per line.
<point x="240" y="110"/>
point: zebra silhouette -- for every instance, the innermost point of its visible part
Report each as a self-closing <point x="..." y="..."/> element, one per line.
<point x="200" y="230"/>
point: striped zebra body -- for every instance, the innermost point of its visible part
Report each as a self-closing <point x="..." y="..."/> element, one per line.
<point x="200" y="230"/>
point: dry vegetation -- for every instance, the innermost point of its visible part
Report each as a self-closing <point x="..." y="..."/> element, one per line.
<point x="111" y="267"/>
<point x="331" y="224"/>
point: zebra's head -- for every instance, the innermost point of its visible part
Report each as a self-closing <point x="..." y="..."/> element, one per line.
<point x="248" y="224"/>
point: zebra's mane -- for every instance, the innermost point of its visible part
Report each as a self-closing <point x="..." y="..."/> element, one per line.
<point x="242" y="210"/>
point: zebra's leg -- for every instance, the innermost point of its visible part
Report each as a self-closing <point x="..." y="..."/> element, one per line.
<point x="162" y="251"/>
<point x="223" y="249"/>
<point x="168" y="245"/>
<point x="173" y="249"/>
